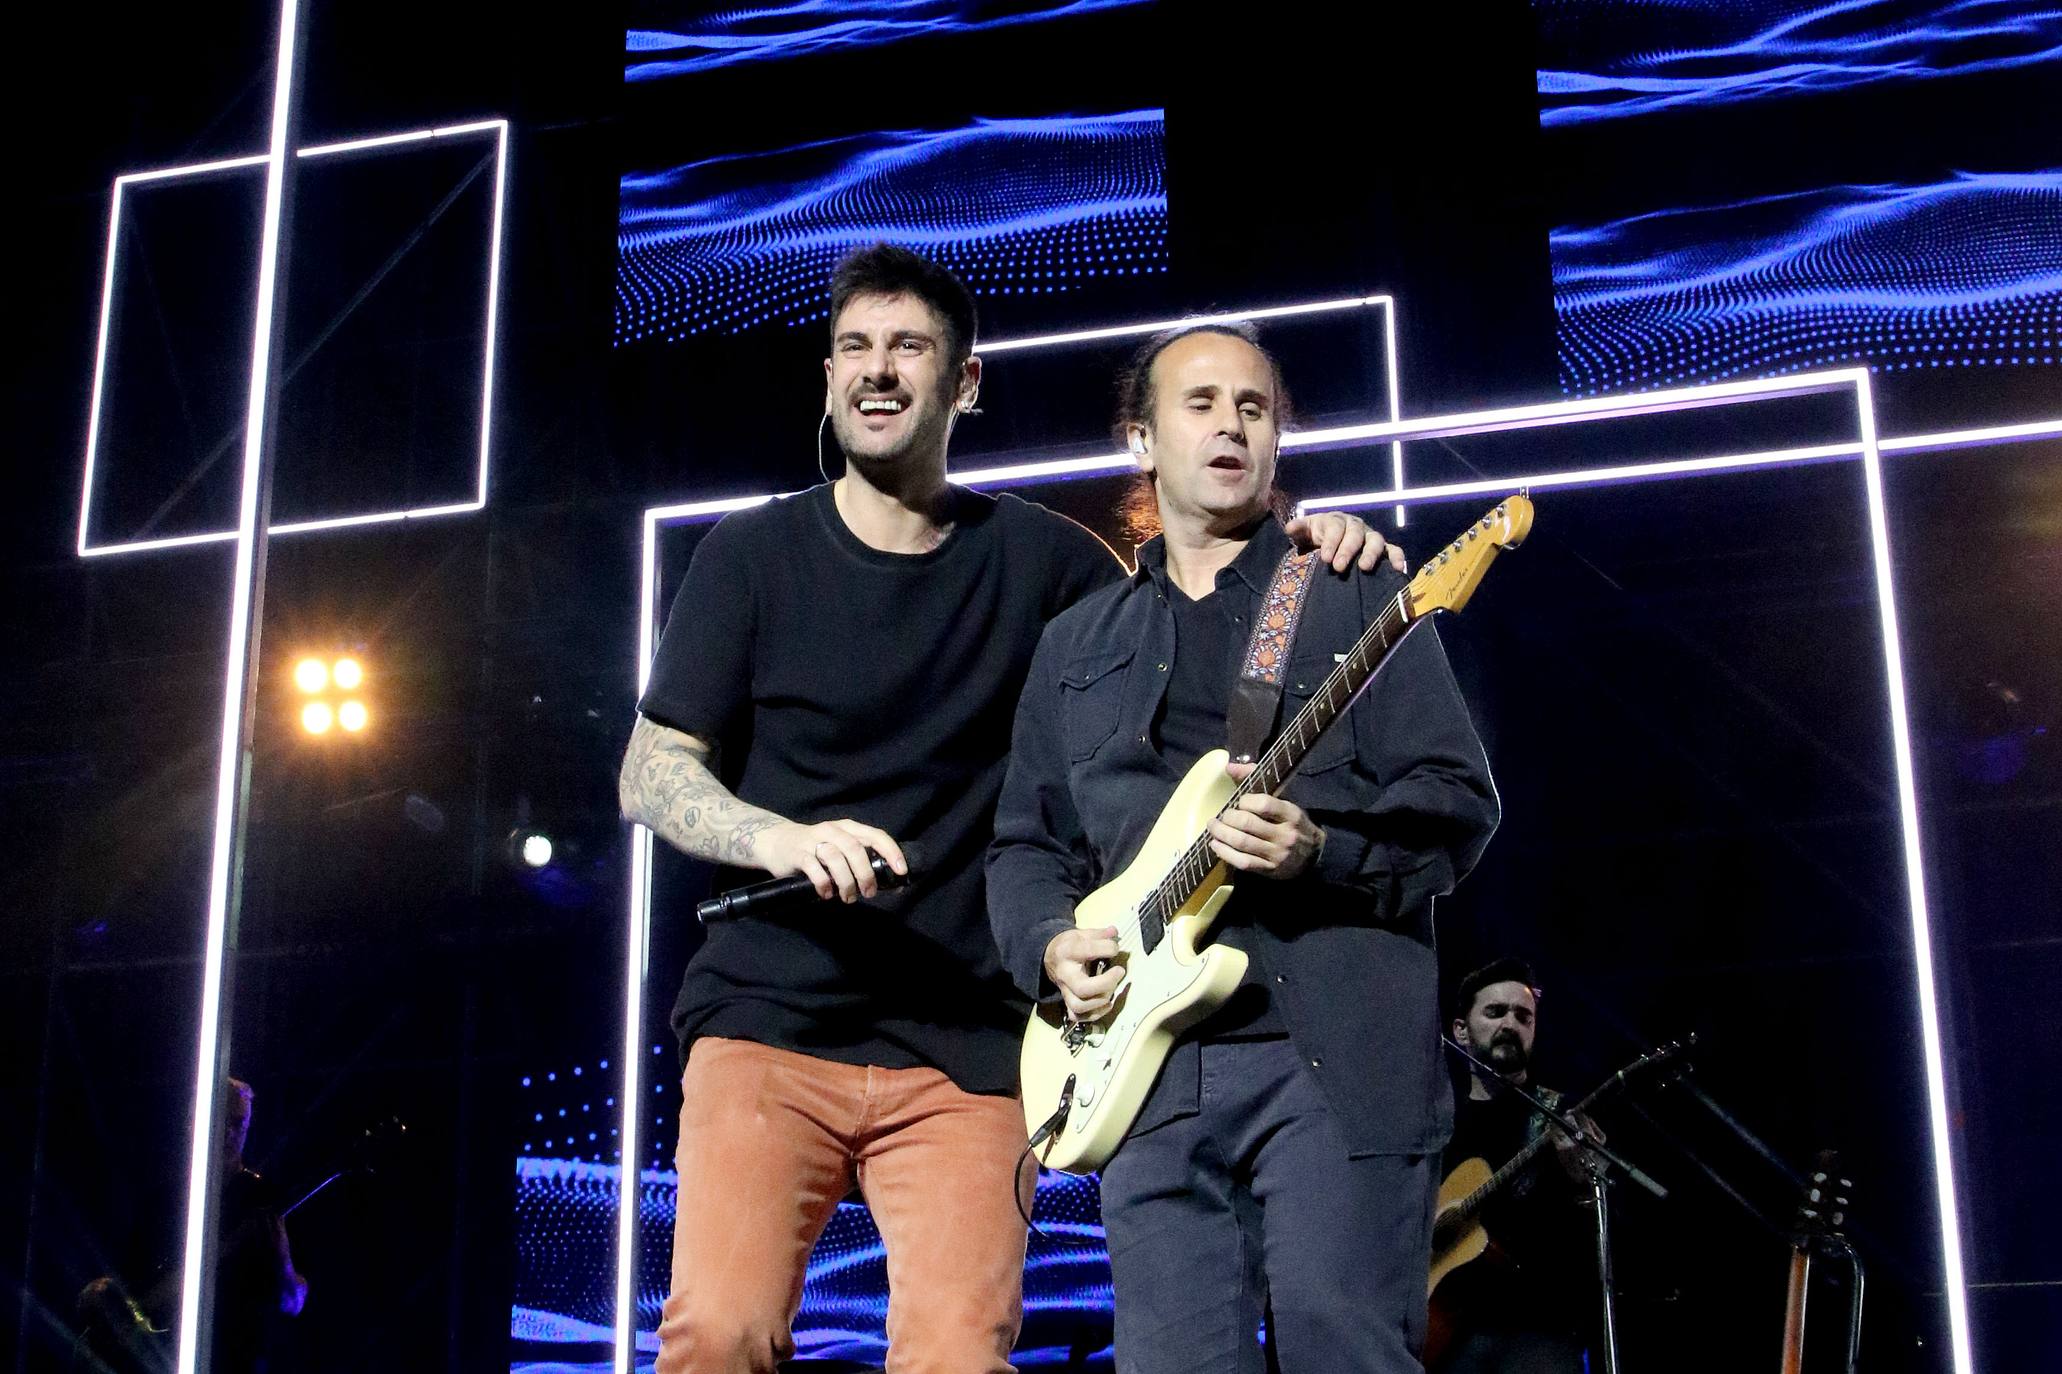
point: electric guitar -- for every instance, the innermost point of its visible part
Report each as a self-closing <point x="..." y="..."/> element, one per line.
<point x="1820" y="1214"/>
<point x="1085" y="1081"/>
<point x="1457" y="1234"/>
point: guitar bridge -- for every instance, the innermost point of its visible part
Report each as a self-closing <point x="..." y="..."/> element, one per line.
<point x="1080" y="1035"/>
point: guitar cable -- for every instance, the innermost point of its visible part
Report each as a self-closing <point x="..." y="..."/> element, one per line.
<point x="1045" y="1132"/>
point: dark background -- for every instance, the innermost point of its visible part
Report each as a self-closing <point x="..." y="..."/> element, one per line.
<point x="1681" y="697"/>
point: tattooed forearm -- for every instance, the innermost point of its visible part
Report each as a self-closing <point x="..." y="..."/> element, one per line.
<point x="667" y="785"/>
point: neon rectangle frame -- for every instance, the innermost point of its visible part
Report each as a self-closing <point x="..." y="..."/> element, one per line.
<point x="1867" y="449"/>
<point x="639" y="942"/>
<point x="499" y="127"/>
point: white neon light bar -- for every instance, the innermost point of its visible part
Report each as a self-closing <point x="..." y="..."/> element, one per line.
<point x="497" y="127"/>
<point x="1590" y="477"/>
<point x="1122" y="331"/>
<point x="1868" y="450"/>
<point x="1973" y="438"/>
<point x="1915" y="886"/>
<point x="229" y="779"/>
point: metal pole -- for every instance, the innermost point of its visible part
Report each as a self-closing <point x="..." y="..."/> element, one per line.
<point x="1607" y="1331"/>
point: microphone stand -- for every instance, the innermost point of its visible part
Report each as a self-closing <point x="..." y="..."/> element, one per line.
<point x="1602" y="1162"/>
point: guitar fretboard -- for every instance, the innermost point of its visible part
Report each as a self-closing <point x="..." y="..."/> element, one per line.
<point x="1272" y="771"/>
<point x="1462" y="1212"/>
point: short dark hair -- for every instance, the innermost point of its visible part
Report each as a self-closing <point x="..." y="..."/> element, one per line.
<point x="1135" y="396"/>
<point x="886" y="270"/>
<point x="1495" y="971"/>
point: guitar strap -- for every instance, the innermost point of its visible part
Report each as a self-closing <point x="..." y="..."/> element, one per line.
<point x="1258" y="692"/>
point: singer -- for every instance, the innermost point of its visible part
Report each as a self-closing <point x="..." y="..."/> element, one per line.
<point x="837" y="676"/>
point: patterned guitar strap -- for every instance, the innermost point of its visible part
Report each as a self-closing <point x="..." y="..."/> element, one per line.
<point x="1258" y="692"/>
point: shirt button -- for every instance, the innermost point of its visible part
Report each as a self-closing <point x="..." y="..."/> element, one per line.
<point x="1281" y="978"/>
<point x="1163" y="667"/>
<point x="1317" y="1063"/>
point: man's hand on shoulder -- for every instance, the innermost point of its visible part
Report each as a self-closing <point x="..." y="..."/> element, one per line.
<point x="831" y="854"/>
<point x="1341" y="540"/>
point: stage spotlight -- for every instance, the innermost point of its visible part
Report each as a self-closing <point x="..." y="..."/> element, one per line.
<point x="311" y="675"/>
<point x="351" y="715"/>
<point x="347" y="673"/>
<point x="536" y="849"/>
<point x="316" y="717"/>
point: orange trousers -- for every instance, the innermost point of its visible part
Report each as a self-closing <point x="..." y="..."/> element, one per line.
<point x="771" y="1141"/>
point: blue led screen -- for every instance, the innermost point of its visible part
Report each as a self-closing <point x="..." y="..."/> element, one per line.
<point x="567" y="1182"/>
<point x="1617" y="59"/>
<point x="667" y="41"/>
<point x="1015" y="206"/>
<point x="1748" y="190"/>
<point x="1966" y="273"/>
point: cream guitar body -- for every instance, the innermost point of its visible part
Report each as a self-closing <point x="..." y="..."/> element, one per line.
<point x="1112" y="1062"/>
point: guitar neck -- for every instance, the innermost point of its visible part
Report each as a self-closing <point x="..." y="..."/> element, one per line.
<point x="1272" y="771"/>
<point x="1515" y="1165"/>
<point x="1338" y="691"/>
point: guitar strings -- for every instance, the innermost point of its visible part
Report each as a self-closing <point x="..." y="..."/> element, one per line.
<point x="1198" y="861"/>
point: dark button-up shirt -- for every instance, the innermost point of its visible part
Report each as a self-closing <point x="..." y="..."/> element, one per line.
<point x="1399" y="784"/>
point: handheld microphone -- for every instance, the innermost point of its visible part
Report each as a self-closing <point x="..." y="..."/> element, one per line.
<point x="778" y="895"/>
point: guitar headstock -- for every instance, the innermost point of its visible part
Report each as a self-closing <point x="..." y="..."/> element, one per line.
<point x="1450" y="577"/>
<point x="1822" y="1210"/>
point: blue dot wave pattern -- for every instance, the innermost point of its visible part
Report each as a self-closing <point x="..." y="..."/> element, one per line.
<point x="1015" y="206"/>
<point x="1964" y="273"/>
<point x="659" y="47"/>
<point x="564" y="1308"/>
<point x="1610" y="59"/>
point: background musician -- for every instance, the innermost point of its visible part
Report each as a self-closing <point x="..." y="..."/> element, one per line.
<point x="1528" y="1304"/>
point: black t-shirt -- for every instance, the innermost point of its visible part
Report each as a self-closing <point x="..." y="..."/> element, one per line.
<point x="1208" y="647"/>
<point x="840" y="681"/>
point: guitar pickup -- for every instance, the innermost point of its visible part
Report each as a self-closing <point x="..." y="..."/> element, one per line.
<point x="1080" y="1035"/>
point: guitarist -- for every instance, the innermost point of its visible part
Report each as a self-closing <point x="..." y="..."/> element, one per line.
<point x="256" y="1283"/>
<point x="1284" y="1164"/>
<point x="1528" y="1303"/>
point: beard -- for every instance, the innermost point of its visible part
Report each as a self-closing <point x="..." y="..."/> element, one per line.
<point x="926" y="433"/>
<point x="1507" y="1053"/>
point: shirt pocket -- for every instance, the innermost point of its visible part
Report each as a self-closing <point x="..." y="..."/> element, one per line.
<point x="1091" y="691"/>
<point x="1306" y="675"/>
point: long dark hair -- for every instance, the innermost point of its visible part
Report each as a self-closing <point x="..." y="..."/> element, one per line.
<point x="1140" y="510"/>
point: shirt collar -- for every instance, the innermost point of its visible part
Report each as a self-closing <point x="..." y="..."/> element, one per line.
<point x="1254" y="565"/>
